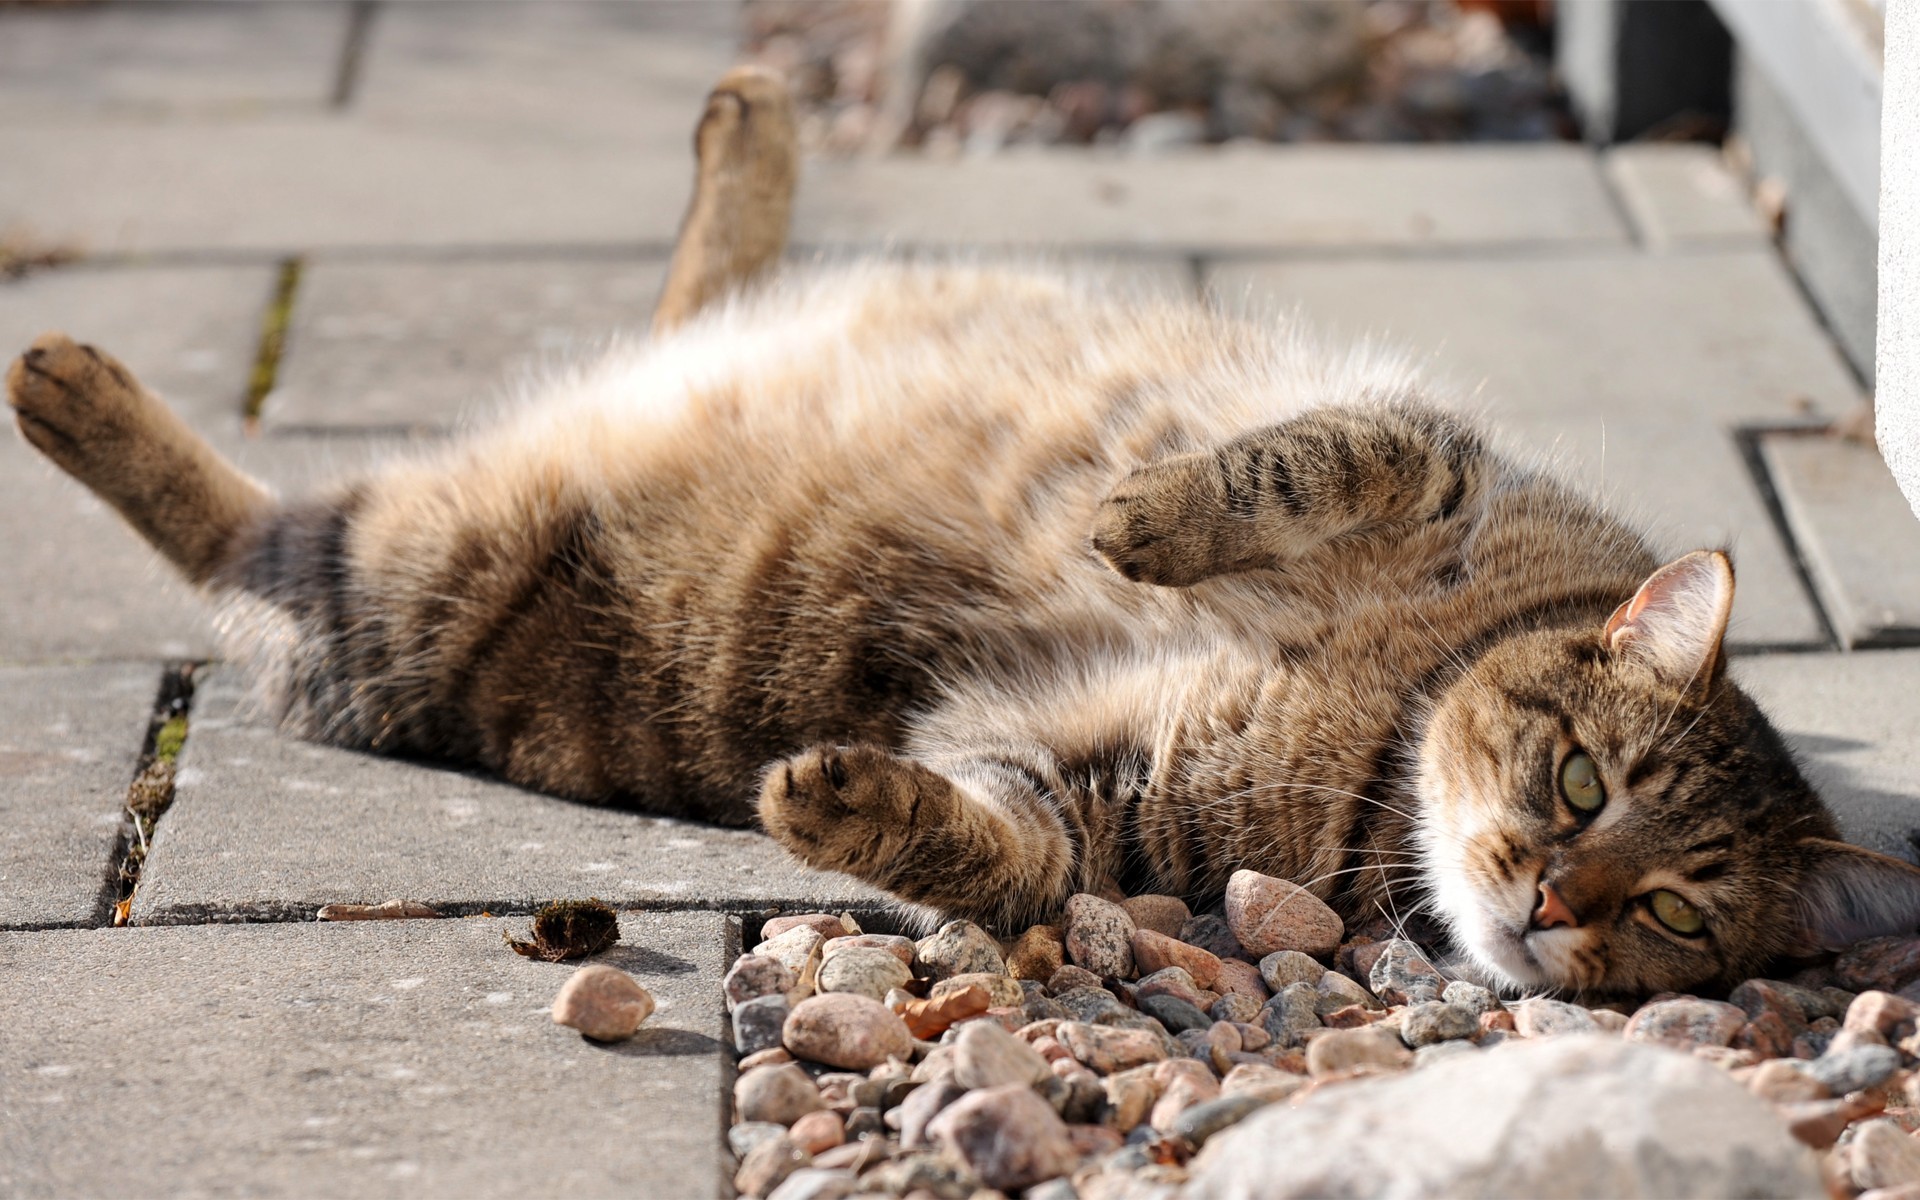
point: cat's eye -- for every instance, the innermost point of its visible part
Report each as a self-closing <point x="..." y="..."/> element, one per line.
<point x="1580" y="783"/>
<point x="1676" y="914"/>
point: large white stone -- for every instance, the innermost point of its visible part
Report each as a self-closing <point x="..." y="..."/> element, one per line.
<point x="1575" y="1116"/>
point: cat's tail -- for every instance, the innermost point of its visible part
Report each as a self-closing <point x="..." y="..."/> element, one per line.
<point x="86" y="412"/>
<point x="736" y="223"/>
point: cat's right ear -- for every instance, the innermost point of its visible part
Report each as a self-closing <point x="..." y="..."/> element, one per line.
<point x="1676" y="621"/>
<point x="1850" y="894"/>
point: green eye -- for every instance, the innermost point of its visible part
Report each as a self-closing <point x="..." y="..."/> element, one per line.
<point x="1676" y="914"/>
<point x="1580" y="783"/>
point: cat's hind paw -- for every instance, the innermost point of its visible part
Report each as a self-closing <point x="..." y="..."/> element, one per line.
<point x="1161" y="524"/>
<point x="73" y="403"/>
<point x="852" y="808"/>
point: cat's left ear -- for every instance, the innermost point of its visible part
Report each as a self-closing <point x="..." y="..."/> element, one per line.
<point x="1850" y="894"/>
<point x="1675" y="622"/>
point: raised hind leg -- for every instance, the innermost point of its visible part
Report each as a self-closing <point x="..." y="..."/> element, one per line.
<point x="87" y="413"/>
<point x="736" y="223"/>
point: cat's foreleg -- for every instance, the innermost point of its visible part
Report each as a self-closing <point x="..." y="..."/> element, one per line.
<point x="983" y="846"/>
<point x="87" y="413"/>
<point x="736" y="223"/>
<point x="1277" y="493"/>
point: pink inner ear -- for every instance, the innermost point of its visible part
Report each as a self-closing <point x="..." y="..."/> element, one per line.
<point x="1677" y="618"/>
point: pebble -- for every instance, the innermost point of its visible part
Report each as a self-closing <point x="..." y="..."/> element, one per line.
<point x="865" y="1121"/>
<point x="1093" y="1005"/>
<point x="1434" y="1021"/>
<point x="1161" y="914"/>
<point x="900" y="947"/>
<point x="1268" y="914"/>
<point x="1105" y="1049"/>
<point x="779" y="1094"/>
<point x="1767" y="1035"/>
<point x="827" y="925"/>
<point x="1202" y="1121"/>
<point x="1470" y="996"/>
<point x="922" y="1106"/>
<point x="985" y="1056"/>
<point x="744" y="1136"/>
<point x="1291" y="1014"/>
<point x="1070" y="978"/>
<point x="1542" y="1017"/>
<point x="845" y="1030"/>
<point x="1214" y="935"/>
<point x="959" y="948"/>
<point x="1345" y="1050"/>
<point x="816" y="1183"/>
<point x="817" y="1131"/>
<point x="1854" y="1068"/>
<point x="795" y="949"/>
<point x="1181" y="1094"/>
<point x="1008" y="1137"/>
<point x="1284" y="967"/>
<point x="863" y="970"/>
<point x="1156" y="951"/>
<point x="1240" y="978"/>
<point x="773" y="1056"/>
<point x="1401" y="975"/>
<point x="1819" y="1123"/>
<point x="755" y="975"/>
<point x="934" y="1016"/>
<point x="1234" y="1007"/>
<point x="603" y="1003"/>
<point x="1130" y="1096"/>
<point x="1003" y="991"/>
<point x="1038" y="954"/>
<point x="1890" y="1016"/>
<point x="1884" y="964"/>
<point x="1786" y="1081"/>
<point x="1686" y="1021"/>
<point x="1883" y="1155"/>
<point x="768" y="1165"/>
<point x="1174" y="981"/>
<point x="1335" y="991"/>
<point x="1260" y="1079"/>
<point x="1174" y="1013"/>
<point x="1099" y="936"/>
<point x="1790" y="1003"/>
<point x="760" y="1025"/>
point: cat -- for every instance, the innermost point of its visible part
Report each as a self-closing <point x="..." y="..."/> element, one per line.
<point x="988" y="587"/>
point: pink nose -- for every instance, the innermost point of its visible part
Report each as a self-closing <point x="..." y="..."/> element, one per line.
<point x="1552" y="910"/>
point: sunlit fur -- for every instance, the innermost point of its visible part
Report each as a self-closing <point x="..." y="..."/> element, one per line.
<point x="988" y="586"/>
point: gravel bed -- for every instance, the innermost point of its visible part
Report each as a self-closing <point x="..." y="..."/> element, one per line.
<point x="1096" y="1057"/>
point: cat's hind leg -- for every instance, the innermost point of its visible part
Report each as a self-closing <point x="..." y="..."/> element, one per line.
<point x="736" y="223"/>
<point x="87" y="413"/>
<point x="904" y="827"/>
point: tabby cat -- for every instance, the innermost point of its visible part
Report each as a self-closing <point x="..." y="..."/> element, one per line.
<point x="987" y="587"/>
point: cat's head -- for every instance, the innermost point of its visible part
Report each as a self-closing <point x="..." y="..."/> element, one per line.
<point x="1603" y="811"/>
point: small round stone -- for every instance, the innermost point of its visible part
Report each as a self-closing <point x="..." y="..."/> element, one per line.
<point x="767" y="1165"/>
<point x="818" y="1131"/>
<point x="1240" y="978"/>
<point x="1284" y="967"/>
<point x="1099" y="936"/>
<point x="1007" y="1136"/>
<point x="1335" y="991"/>
<point x="780" y="1094"/>
<point x="1470" y="996"/>
<point x="1105" y="1049"/>
<point x="1071" y="978"/>
<point x="603" y="1003"/>
<point x="1345" y="1050"/>
<point x="1093" y="1005"/>
<point x="959" y="948"/>
<point x="1174" y="1013"/>
<point x="1156" y="951"/>
<point x="1202" y="1121"/>
<point x="1402" y="975"/>
<point x="755" y="975"/>
<point x="845" y="1030"/>
<point x="743" y="1136"/>
<point x="1291" y="1014"/>
<point x="1268" y="914"/>
<point x="1213" y="935"/>
<point x="760" y="1024"/>
<point x="1855" y="1068"/>
<point x="817" y="1183"/>
<point x="1003" y="991"/>
<point x="827" y="925"/>
<point x="1161" y="914"/>
<point x="1174" y="981"/>
<point x="1686" y="1022"/>
<point x="1883" y="1155"/>
<point x="900" y="947"/>
<point x="985" y="1056"/>
<point x="1234" y="1007"/>
<point x="1544" y="1017"/>
<point x="863" y="970"/>
<point x="1433" y="1021"/>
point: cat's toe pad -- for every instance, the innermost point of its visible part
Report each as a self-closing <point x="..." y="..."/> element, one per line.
<point x="67" y="397"/>
<point x="848" y="808"/>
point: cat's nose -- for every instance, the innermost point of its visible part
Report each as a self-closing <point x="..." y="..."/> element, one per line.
<point x="1552" y="910"/>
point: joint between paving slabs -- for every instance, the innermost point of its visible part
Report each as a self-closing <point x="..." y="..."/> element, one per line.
<point x="353" y="53"/>
<point x="273" y="342"/>
<point x="151" y="792"/>
<point x="1747" y="438"/>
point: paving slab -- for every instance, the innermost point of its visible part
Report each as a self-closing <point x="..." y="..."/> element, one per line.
<point x="78" y="583"/>
<point x="420" y="343"/>
<point x="267" y="828"/>
<point x="1853" y="722"/>
<point x="1681" y="195"/>
<point x="1264" y="198"/>
<point x="367" y="1059"/>
<point x="1628" y="372"/>
<point x="633" y="73"/>
<point x="69" y="740"/>
<point x="1856" y="533"/>
<point x="145" y="61"/>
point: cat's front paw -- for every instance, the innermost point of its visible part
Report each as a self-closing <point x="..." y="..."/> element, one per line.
<point x="1163" y="524"/>
<point x="851" y="808"/>
<point x="71" y="402"/>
